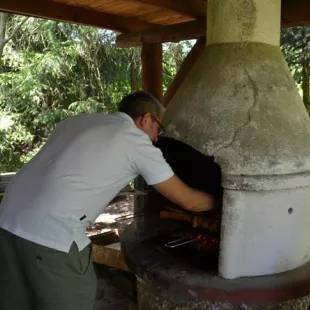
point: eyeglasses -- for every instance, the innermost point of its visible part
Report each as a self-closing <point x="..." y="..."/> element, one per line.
<point x="161" y="128"/>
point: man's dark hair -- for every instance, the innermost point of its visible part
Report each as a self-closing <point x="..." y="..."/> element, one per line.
<point x="138" y="103"/>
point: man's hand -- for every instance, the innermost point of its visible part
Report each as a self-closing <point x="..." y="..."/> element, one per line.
<point x="186" y="197"/>
<point x="204" y="202"/>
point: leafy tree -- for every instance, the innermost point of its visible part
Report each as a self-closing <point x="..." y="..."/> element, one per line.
<point x="295" y="43"/>
<point x="51" y="70"/>
<point x="173" y="56"/>
<point x="7" y="32"/>
<point x="15" y="142"/>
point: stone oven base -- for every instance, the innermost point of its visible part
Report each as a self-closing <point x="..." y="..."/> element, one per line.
<point x="147" y="300"/>
<point x="170" y="283"/>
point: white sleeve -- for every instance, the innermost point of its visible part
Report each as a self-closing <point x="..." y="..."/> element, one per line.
<point x="148" y="161"/>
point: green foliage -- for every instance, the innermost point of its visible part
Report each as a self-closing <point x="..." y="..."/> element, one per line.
<point x="15" y="142"/>
<point x="173" y="55"/>
<point x="295" y="44"/>
<point x="51" y="70"/>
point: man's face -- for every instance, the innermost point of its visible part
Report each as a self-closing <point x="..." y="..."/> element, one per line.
<point x="151" y="125"/>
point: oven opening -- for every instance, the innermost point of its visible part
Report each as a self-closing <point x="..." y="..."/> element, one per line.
<point x="196" y="237"/>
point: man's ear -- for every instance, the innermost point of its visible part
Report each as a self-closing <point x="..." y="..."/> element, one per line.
<point x="145" y="118"/>
<point x="138" y="121"/>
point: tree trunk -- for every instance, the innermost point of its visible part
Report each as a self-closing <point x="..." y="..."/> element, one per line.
<point x="3" y="36"/>
<point x="3" y="41"/>
<point x="134" y="78"/>
<point x="306" y="85"/>
<point x="178" y="57"/>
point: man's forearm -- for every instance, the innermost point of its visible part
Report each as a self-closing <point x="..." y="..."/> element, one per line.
<point x="186" y="197"/>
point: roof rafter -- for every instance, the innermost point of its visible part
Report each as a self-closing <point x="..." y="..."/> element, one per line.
<point x="192" y="8"/>
<point x="295" y="14"/>
<point x="65" y="13"/>
<point x="171" y="33"/>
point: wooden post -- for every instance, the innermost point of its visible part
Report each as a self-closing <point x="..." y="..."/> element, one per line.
<point x="306" y="85"/>
<point x="187" y="65"/>
<point x="152" y="69"/>
<point x="152" y="82"/>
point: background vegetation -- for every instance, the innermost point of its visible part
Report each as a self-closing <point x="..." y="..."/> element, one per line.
<point x="50" y="70"/>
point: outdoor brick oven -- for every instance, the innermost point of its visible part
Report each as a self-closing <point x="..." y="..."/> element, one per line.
<point x="240" y="105"/>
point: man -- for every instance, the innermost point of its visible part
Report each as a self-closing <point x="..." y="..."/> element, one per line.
<point x="44" y="252"/>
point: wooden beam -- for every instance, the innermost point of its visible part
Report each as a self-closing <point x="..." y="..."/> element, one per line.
<point x="66" y="13"/>
<point x="172" y="33"/>
<point x="152" y="69"/>
<point x="293" y="14"/>
<point x="187" y="65"/>
<point x="191" y="8"/>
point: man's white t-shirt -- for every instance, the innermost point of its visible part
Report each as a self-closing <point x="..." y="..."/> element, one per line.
<point x="87" y="160"/>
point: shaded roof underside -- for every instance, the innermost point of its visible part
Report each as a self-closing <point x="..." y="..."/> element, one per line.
<point x="140" y="15"/>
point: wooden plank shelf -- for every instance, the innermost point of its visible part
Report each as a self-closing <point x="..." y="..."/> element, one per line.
<point x="107" y="251"/>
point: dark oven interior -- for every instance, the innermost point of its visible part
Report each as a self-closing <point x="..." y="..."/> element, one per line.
<point x="196" y="238"/>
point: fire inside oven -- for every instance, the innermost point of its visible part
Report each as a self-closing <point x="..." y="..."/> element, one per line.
<point x="197" y="241"/>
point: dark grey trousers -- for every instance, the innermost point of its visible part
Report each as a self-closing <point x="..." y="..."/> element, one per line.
<point x="35" y="277"/>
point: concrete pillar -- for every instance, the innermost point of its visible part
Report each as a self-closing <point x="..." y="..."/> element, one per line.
<point x="235" y="21"/>
<point x="240" y="104"/>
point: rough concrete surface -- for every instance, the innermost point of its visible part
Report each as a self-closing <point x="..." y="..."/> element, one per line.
<point x="181" y="281"/>
<point x="240" y="104"/>
<point x="244" y="21"/>
<point x="264" y="232"/>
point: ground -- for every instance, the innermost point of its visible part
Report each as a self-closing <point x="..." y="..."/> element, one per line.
<point x="114" y="289"/>
<point x="106" y="221"/>
<point x="112" y="293"/>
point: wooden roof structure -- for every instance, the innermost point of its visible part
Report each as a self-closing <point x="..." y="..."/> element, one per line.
<point x="142" y="21"/>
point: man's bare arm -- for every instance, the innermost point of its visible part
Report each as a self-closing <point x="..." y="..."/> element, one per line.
<point x="186" y="197"/>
